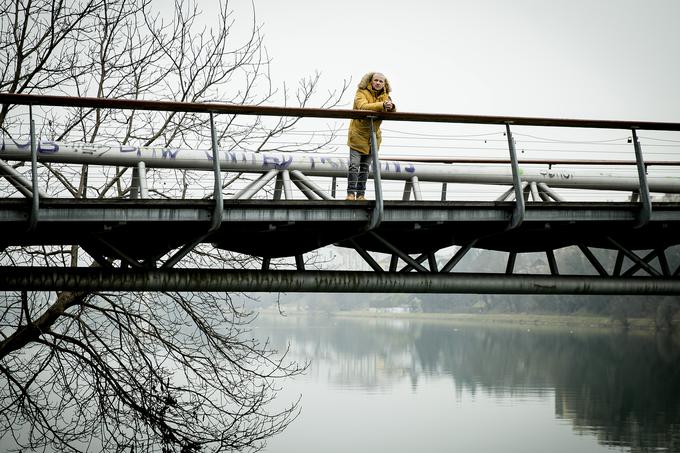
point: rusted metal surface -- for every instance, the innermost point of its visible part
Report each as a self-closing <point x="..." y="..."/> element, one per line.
<point x="144" y="228"/>
<point x="129" y="104"/>
<point x="208" y="280"/>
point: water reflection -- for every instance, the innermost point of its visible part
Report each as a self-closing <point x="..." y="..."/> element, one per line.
<point x="623" y="388"/>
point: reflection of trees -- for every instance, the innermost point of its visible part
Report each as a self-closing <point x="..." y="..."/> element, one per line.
<point x="361" y="353"/>
<point x="622" y="387"/>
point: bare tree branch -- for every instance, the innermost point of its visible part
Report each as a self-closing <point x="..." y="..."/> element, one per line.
<point x="138" y="371"/>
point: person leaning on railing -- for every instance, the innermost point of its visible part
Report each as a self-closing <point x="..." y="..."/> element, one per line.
<point x="373" y="93"/>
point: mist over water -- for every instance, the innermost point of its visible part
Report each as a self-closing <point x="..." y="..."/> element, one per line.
<point x="410" y="385"/>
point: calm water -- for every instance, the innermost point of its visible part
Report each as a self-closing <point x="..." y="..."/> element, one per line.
<point x="412" y="386"/>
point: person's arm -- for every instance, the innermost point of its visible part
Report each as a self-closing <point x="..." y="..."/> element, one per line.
<point x="361" y="102"/>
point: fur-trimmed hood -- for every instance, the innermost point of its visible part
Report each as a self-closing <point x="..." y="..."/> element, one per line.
<point x="365" y="83"/>
<point x="366" y="98"/>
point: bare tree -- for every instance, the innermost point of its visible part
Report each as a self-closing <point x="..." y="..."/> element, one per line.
<point x="145" y="372"/>
<point x="130" y="371"/>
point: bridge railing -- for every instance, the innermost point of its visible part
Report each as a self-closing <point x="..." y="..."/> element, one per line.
<point x="536" y="179"/>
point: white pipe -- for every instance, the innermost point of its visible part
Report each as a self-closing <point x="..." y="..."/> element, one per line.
<point x="312" y="164"/>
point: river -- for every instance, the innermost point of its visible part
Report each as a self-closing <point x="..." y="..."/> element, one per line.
<point x="398" y="385"/>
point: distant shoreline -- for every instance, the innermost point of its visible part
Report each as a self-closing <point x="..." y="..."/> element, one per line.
<point x="517" y="319"/>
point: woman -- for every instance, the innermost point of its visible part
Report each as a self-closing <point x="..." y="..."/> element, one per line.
<point x="372" y="94"/>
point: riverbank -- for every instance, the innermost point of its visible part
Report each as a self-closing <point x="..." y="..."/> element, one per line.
<point x="519" y="319"/>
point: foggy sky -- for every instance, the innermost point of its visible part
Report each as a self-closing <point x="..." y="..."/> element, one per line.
<point x="603" y="59"/>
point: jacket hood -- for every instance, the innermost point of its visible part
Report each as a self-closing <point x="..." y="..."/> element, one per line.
<point x="365" y="83"/>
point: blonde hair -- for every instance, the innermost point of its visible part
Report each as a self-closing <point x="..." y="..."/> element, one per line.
<point x="365" y="82"/>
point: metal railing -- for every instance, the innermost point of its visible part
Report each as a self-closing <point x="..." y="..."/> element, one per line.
<point x="218" y="108"/>
<point x="518" y="188"/>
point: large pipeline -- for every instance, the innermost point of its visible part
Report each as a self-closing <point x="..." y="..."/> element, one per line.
<point x="211" y="280"/>
<point x="313" y="164"/>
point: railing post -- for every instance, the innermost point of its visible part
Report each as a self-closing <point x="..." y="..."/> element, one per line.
<point x="217" y="196"/>
<point x="377" y="215"/>
<point x="646" y="211"/>
<point x="138" y="188"/>
<point x="408" y="185"/>
<point x="217" y="190"/>
<point x="141" y="172"/>
<point x="518" y="213"/>
<point x="35" y="204"/>
<point x="287" y="189"/>
<point x="278" y="186"/>
<point x="417" y="193"/>
<point x="134" y="184"/>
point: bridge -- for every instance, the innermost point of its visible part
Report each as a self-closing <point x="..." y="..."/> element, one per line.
<point x="283" y="206"/>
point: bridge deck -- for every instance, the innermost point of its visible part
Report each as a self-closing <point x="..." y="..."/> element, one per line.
<point x="150" y="228"/>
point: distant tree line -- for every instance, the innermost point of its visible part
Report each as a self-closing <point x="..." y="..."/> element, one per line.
<point x="664" y="310"/>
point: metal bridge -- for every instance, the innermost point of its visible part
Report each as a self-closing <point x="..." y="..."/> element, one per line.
<point x="279" y="207"/>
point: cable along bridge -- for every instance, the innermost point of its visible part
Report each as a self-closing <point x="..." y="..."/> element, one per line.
<point x="286" y="205"/>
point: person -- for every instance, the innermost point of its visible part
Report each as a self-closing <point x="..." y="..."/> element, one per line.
<point x="373" y="93"/>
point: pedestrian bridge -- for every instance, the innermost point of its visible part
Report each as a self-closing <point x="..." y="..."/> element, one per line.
<point x="269" y="211"/>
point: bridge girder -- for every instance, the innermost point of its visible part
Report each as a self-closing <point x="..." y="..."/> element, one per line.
<point x="140" y="232"/>
<point x="267" y="228"/>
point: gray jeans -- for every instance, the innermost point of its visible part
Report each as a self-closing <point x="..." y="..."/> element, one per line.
<point x="357" y="173"/>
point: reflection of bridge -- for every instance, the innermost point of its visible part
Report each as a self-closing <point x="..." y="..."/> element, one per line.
<point x="138" y="241"/>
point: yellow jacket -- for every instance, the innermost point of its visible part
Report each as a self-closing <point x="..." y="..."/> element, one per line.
<point x="359" y="135"/>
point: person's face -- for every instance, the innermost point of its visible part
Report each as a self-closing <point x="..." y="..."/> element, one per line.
<point x="378" y="81"/>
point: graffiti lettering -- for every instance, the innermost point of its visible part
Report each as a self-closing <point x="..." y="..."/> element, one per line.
<point x="48" y="147"/>
<point x="410" y="168"/>
<point x="552" y="175"/>
<point x="131" y="149"/>
<point x="169" y="153"/>
<point x="91" y="150"/>
<point x="335" y="163"/>
<point x="3" y="146"/>
<point x="230" y="156"/>
<point x="396" y="165"/>
<point x="275" y="162"/>
<point x="21" y="146"/>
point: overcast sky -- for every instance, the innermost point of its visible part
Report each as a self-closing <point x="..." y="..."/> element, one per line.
<point x="596" y="59"/>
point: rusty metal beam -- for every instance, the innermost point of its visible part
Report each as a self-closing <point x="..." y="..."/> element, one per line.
<point x="234" y="109"/>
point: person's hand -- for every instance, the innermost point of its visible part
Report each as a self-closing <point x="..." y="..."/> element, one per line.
<point x="388" y="105"/>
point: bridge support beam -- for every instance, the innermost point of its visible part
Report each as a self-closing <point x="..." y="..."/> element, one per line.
<point x="212" y="280"/>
